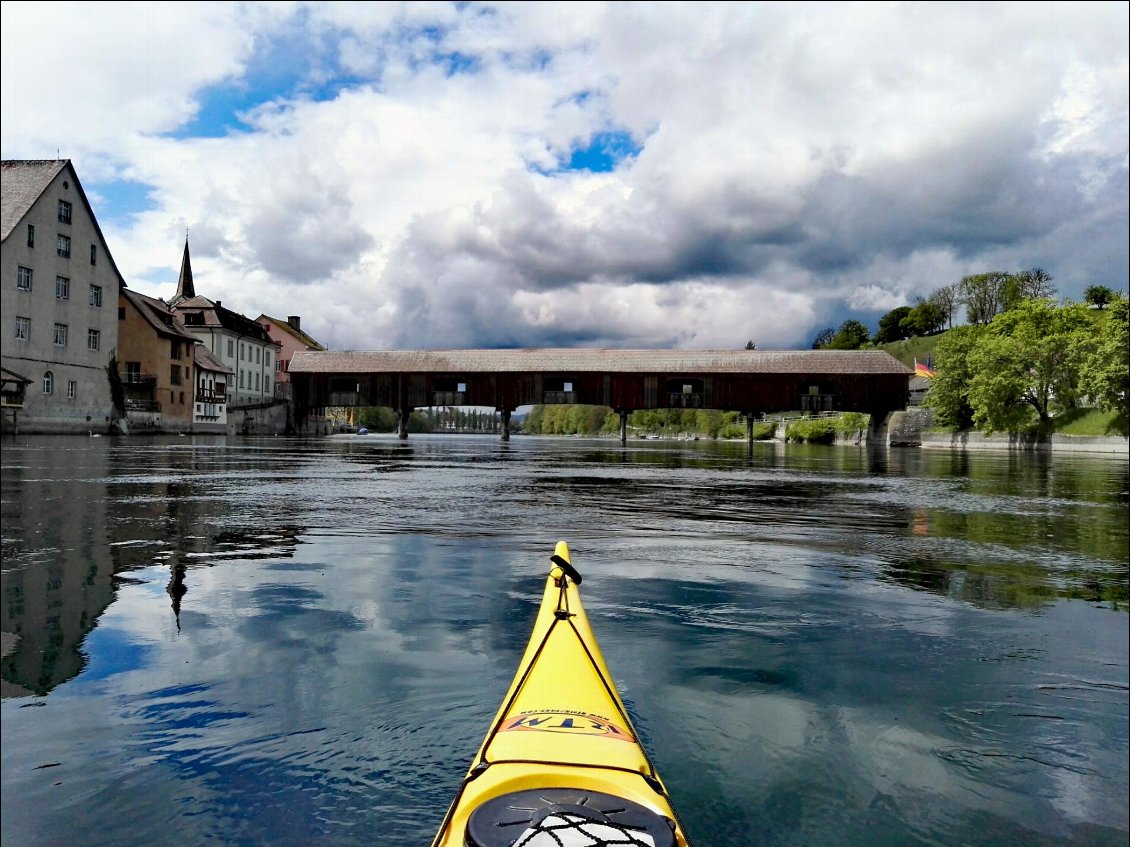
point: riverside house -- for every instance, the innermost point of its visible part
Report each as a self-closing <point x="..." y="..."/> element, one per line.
<point x="291" y="339"/>
<point x="59" y="290"/>
<point x="155" y="363"/>
<point x="239" y="344"/>
<point x="210" y="413"/>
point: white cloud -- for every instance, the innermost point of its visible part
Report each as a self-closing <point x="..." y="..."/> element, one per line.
<point x="392" y="177"/>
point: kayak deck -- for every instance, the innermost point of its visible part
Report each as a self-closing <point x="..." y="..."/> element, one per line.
<point x="561" y="746"/>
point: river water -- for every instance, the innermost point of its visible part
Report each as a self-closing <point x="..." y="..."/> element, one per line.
<point x="302" y="642"/>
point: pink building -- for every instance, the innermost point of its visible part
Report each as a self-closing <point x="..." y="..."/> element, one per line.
<point x="290" y="338"/>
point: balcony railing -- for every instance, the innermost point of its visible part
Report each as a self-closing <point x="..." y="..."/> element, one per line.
<point x="206" y="395"/>
<point x="130" y="378"/>
<point x="142" y="405"/>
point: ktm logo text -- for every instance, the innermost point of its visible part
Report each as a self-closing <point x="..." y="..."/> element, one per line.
<point x="571" y="723"/>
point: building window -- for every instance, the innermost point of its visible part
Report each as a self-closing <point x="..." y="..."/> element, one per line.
<point x="241" y="352"/>
<point x="176" y="349"/>
<point x="62" y="288"/>
<point x="241" y="379"/>
<point x="60" y="335"/>
<point x="133" y="371"/>
<point x="23" y="278"/>
<point x="267" y="358"/>
<point x="48" y="382"/>
<point x="94" y="254"/>
<point x="278" y="365"/>
<point x="93" y="339"/>
<point x="258" y="350"/>
<point x="231" y="348"/>
<point x="63" y="246"/>
<point x="64" y="212"/>
<point x="23" y="328"/>
<point x="174" y="374"/>
<point x="121" y="313"/>
<point x="72" y="389"/>
<point x="96" y="296"/>
<point x="256" y="381"/>
<point x="31" y="235"/>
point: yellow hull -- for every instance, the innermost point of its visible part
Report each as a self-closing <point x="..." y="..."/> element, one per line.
<point x="562" y="725"/>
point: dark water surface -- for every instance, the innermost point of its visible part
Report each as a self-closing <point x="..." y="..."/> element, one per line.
<point x="284" y="642"/>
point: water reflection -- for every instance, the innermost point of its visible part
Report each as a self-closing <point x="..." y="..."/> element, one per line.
<point x="76" y="522"/>
<point x="291" y="642"/>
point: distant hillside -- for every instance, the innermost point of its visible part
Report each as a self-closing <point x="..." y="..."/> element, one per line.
<point x="907" y="350"/>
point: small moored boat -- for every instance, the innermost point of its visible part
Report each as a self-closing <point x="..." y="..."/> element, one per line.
<point x="561" y="764"/>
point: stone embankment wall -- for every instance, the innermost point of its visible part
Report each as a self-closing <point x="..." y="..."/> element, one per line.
<point x="911" y="428"/>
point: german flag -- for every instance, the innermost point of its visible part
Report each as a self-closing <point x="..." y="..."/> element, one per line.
<point x="923" y="369"/>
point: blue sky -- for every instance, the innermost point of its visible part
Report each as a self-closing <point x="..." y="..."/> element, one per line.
<point x="599" y="174"/>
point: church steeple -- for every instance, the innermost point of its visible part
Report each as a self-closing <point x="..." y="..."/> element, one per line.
<point x="185" y="289"/>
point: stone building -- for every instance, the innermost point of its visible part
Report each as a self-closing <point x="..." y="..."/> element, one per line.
<point x="155" y="363"/>
<point x="58" y="296"/>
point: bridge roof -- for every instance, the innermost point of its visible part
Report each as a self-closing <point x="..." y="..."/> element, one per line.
<point x="593" y="360"/>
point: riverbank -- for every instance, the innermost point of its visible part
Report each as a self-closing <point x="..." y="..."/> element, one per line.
<point x="1004" y="441"/>
<point x="912" y="428"/>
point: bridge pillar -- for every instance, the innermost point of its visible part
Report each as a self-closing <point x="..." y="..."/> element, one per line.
<point x="878" y="428"/>
<point x="624" y="427"/>
<point x="505" y="424"/>
<point x="402" y="416"/>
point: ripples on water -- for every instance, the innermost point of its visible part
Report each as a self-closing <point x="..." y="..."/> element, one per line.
<point x="303" y="642"/>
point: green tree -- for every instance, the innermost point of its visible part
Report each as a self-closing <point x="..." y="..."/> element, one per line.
<point x="891" y="326"/>
<point x="1106" y="372"/>
<point x="823" y="338"/>
<point x="949" y="389"/>
<point x="946" y="299"/>
<point x="749" y="345"/>
<point x="1098" y="295"/>
<point x="926" y="318"/>
<point x="117" y="390"/>
<point x="377" y="418"/>
<point x="985" y="295"/>
<point x="1030" y="360"/>
<point x="1035" y="284"/>
<point x="851" y="336"/>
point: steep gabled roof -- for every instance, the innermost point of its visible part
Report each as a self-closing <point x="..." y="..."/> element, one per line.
<point x="214" y="315"/>
<point x="298" y="334"/>
<point x="23" y="183"/>
<point x="204" y="359"/>
<point x="159" y="316"/>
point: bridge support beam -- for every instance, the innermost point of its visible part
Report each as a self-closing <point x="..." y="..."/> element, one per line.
<point x="402" y="416"/>
<point x="505" y="424"/>
<point x="878" y="428"/>
<point x="624" y="427"/>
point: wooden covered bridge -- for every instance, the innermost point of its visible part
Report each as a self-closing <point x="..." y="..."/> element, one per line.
<point x="754" y="382"/>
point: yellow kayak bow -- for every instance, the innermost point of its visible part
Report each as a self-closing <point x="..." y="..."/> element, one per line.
<point x="562" y="763"/>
